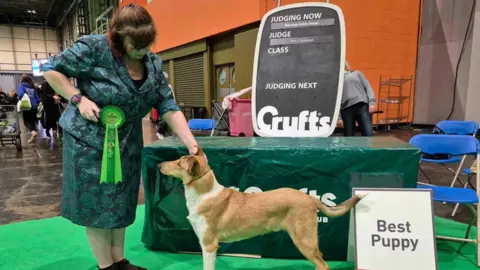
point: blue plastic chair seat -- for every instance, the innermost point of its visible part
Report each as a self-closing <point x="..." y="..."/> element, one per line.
<point x="442" y="161"/>
<point x="201" y="124"/>
<point x="467" y="171"/>
<point x="452" y="195"/>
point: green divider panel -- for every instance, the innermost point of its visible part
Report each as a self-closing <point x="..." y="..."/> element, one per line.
<point x="326" y="168"/>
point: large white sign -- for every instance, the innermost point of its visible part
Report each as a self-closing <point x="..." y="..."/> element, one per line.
<point x="298" y="71"/>
<point x="394" y="229"/>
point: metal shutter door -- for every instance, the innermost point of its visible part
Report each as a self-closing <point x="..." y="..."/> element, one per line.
<point x="189" y="82"/>
<point x="166" y="68"/>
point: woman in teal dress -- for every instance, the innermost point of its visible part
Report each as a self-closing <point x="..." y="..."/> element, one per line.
<point x="113" y="70"/>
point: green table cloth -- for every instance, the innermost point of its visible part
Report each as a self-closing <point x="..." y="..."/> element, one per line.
<point x="326" y="168"/>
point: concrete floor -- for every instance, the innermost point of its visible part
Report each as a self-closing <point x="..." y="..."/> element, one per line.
<point x="30" y="181"/>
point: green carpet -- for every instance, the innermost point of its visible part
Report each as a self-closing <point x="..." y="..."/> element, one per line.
<point x="56" y="244"/>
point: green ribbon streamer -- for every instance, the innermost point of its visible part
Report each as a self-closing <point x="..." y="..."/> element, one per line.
<point x="112" y="118"/>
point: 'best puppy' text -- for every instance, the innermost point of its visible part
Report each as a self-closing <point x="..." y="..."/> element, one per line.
<point x="394" y="243"/>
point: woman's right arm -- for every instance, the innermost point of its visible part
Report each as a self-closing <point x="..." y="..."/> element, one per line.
<point x="60" y="84"/>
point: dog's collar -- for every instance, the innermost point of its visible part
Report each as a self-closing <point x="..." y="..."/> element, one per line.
<point x="199" y="177"/>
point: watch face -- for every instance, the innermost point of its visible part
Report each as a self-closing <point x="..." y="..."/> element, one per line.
<point x="76" y="99"/>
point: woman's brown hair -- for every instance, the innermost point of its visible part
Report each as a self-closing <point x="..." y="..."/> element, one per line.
<point x="132" y="22"/>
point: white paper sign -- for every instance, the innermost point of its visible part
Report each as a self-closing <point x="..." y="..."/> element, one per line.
<point x="394" y="230"/>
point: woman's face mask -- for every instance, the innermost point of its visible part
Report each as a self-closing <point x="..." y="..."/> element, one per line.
<point x="134" y="53"/>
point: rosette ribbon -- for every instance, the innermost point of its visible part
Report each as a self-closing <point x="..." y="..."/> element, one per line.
<point x="112" y="118"/>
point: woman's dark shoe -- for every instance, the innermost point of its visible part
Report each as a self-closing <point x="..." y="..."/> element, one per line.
<point x="126" y="265"/>
<point x="111" y="267"/>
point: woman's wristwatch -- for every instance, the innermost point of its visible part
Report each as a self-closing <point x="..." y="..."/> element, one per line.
<point x="75" y="100"/>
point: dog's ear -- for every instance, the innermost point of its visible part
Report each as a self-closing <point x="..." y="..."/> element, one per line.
<point x="193" y="167"/>
<point x="199" y="151"/>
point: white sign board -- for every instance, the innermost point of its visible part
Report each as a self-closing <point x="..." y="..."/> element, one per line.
<point x="298" y="71"/>
<point x="394" y="229"/>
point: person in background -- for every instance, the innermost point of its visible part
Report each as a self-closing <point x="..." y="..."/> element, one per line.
<point x="51" y="102"/>
<point x="358" y="103"/>
<point x="13" y="97"/>
<point x="27" y="87"/>
<point x="120" y="71"/>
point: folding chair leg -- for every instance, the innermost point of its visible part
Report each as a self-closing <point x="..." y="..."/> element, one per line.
<point x="469" y="177"/>
<point x="455" y="178"/>
<point x="221" y="117"/>
<point x="469" y="228"/>
<point x="222" y="114"/>
<point x="474" y="219"/>
<point x="471" y="185"/>
<point x="457" y="173"/>
<point x="425" y="175"/>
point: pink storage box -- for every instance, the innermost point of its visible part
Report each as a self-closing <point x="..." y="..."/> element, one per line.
<point x="240" y="116"/>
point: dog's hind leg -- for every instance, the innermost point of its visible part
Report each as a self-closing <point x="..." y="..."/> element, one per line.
<point x="304" y="234"/>
<point x="312" y="253"/>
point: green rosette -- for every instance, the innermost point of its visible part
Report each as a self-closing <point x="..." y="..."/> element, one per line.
<point x="112" y="118"/>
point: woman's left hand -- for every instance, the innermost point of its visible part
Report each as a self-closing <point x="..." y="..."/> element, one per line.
<point x="372" y="109"/>
<point x="193" y="150"/>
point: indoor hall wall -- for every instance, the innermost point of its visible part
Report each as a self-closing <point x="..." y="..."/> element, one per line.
<point x="183" y="21"/>
<point x="381" y="39"/>
<point x="382" y="36"/>
<point x="19" y="45"/>
<point x="444" y="24"/>
<point x="472" y="111"/>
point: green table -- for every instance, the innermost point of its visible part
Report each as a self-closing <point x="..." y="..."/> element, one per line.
<point x="327" y="168"/>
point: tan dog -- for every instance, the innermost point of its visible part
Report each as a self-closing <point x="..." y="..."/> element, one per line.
<point x="220" y="214"/>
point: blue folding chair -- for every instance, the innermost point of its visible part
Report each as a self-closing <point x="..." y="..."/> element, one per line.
<point x="469" y="173"/>
<point x="201" y="124"/>
<point x="454" y="145"/>
<point x="451" y="127"/>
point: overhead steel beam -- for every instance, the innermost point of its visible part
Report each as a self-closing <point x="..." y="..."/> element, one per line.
<point x="68" y="11"/>
<point x="25" y="20"/>
<point x="49" y="10"/>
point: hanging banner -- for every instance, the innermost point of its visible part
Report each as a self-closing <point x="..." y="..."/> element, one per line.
<point x="298" y="71"/>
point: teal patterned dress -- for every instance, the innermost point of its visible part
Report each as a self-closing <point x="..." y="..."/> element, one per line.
<point x="104" y="79"/>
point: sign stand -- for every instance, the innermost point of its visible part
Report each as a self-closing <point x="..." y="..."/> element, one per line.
<point x="298" y="71"/>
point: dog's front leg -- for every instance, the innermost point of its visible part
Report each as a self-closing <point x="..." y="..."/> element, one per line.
<point x="209" y="250"/>
<point x="209" y="258"/>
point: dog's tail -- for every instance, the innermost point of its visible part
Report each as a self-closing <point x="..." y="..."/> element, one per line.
<point x="338" y="210"/>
